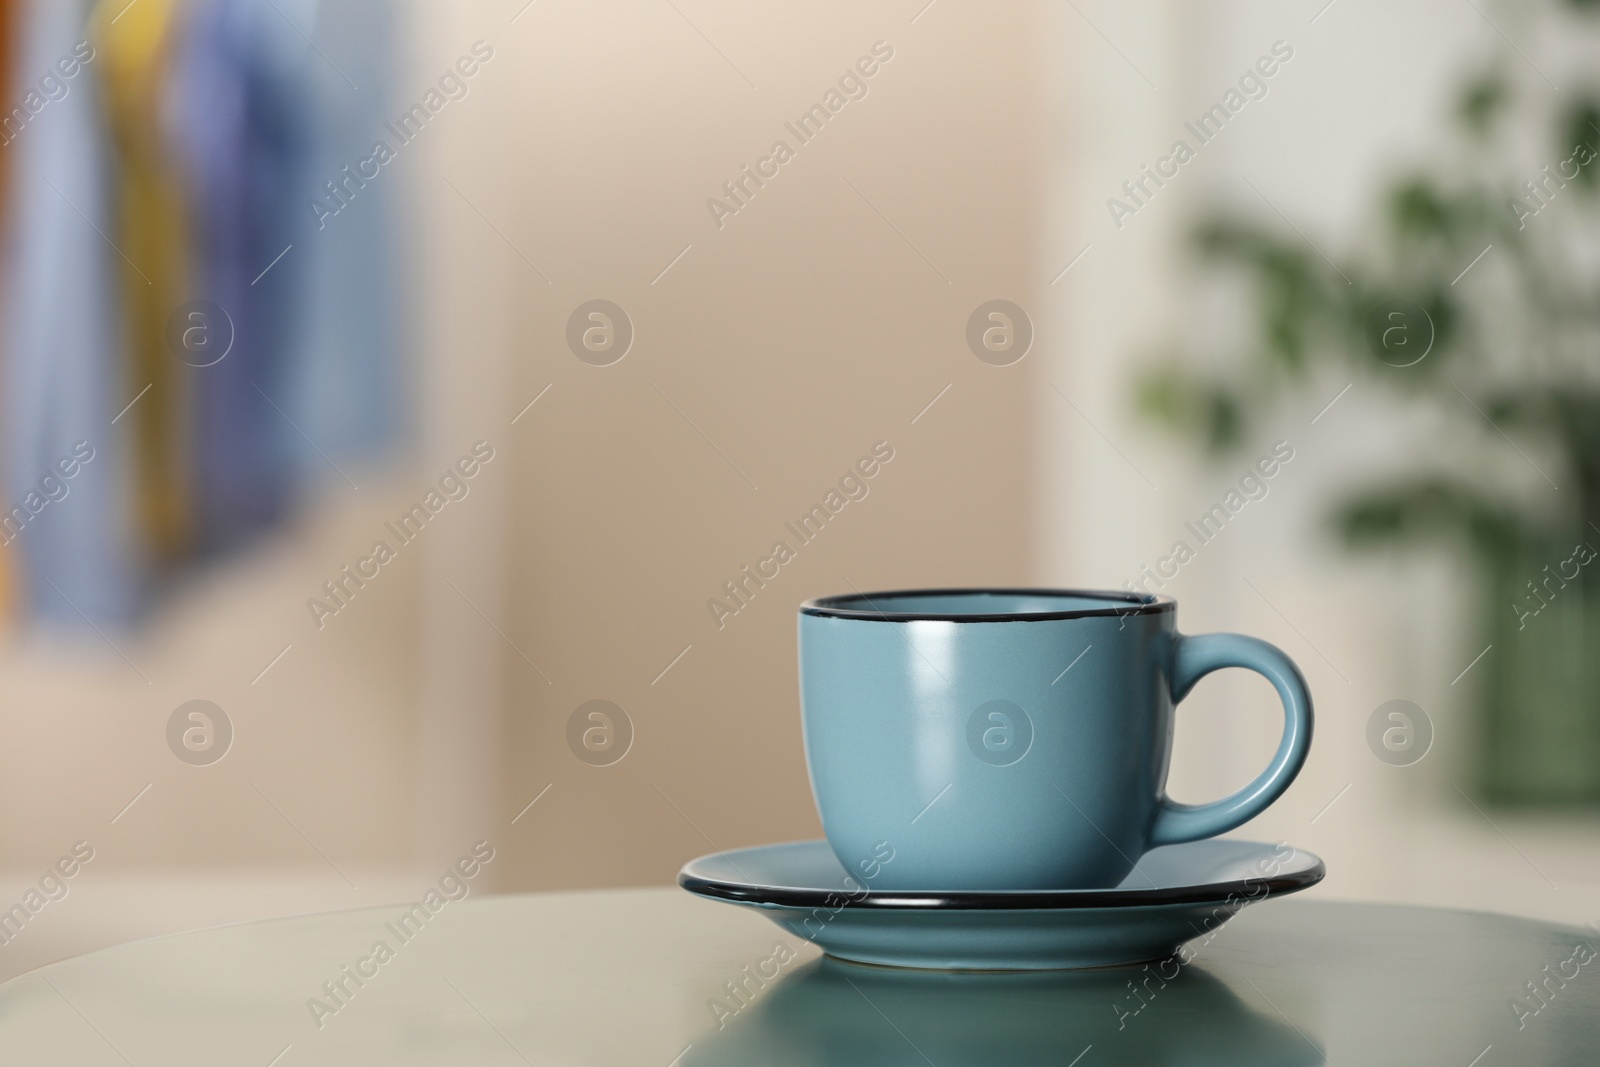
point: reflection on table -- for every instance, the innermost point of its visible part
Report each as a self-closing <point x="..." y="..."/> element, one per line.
<point x="841" y="1014"/>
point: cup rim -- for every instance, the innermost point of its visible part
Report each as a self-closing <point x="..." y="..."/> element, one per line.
<point x="837" y="606"/>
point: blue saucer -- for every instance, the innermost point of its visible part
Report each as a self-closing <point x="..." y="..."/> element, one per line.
<point x="1174" y="895"/>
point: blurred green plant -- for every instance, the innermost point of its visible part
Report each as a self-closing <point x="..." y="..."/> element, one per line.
<point x="1477" y="296"/>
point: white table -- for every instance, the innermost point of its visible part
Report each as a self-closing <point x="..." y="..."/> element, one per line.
<point x="634" y="976"/>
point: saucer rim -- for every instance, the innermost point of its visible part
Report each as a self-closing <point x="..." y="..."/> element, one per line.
<point x="750" y="893"/>
<point x="827" y="607"/>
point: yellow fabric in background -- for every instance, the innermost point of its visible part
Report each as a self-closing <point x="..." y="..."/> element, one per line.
<point x="133" y="43"/>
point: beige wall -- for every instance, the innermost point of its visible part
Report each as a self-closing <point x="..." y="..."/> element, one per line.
<point x="795" y="337"/>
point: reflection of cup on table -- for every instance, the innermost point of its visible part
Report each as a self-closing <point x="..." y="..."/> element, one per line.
<point x="834" y="1014"/>
<point x="1015" y="739"/>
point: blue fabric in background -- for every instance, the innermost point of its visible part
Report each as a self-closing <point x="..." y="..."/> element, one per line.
<point x="65" y="358"/>
<point x="271" y="100"/>
<point x="266" y="101"/>
<point x="241" y="107"/>
<point x="348" y="375"/>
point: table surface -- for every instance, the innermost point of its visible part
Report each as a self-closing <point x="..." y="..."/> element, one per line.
<point x="655" y="977"/>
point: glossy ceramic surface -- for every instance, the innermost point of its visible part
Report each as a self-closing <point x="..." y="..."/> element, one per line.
<point x="658" y="977"/>
<point x="1176" y="894"/>
<point x="1014" y="739"/>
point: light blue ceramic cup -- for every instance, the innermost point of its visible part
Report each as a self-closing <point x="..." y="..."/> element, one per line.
<point x="1014" y="738"/>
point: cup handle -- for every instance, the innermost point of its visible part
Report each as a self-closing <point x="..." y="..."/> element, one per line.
<point x="1195" y="657"/>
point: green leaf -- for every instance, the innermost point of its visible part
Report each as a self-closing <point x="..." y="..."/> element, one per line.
<point x="1580" y="125"/>
<point x="1481" y="102"/>
<point x="1206" y="410"/>
<point x="1424" y="510"/>
<point x="1417" y="209"/>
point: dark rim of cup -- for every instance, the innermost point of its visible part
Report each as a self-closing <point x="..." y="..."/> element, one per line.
<point x="1123" y="604"/>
